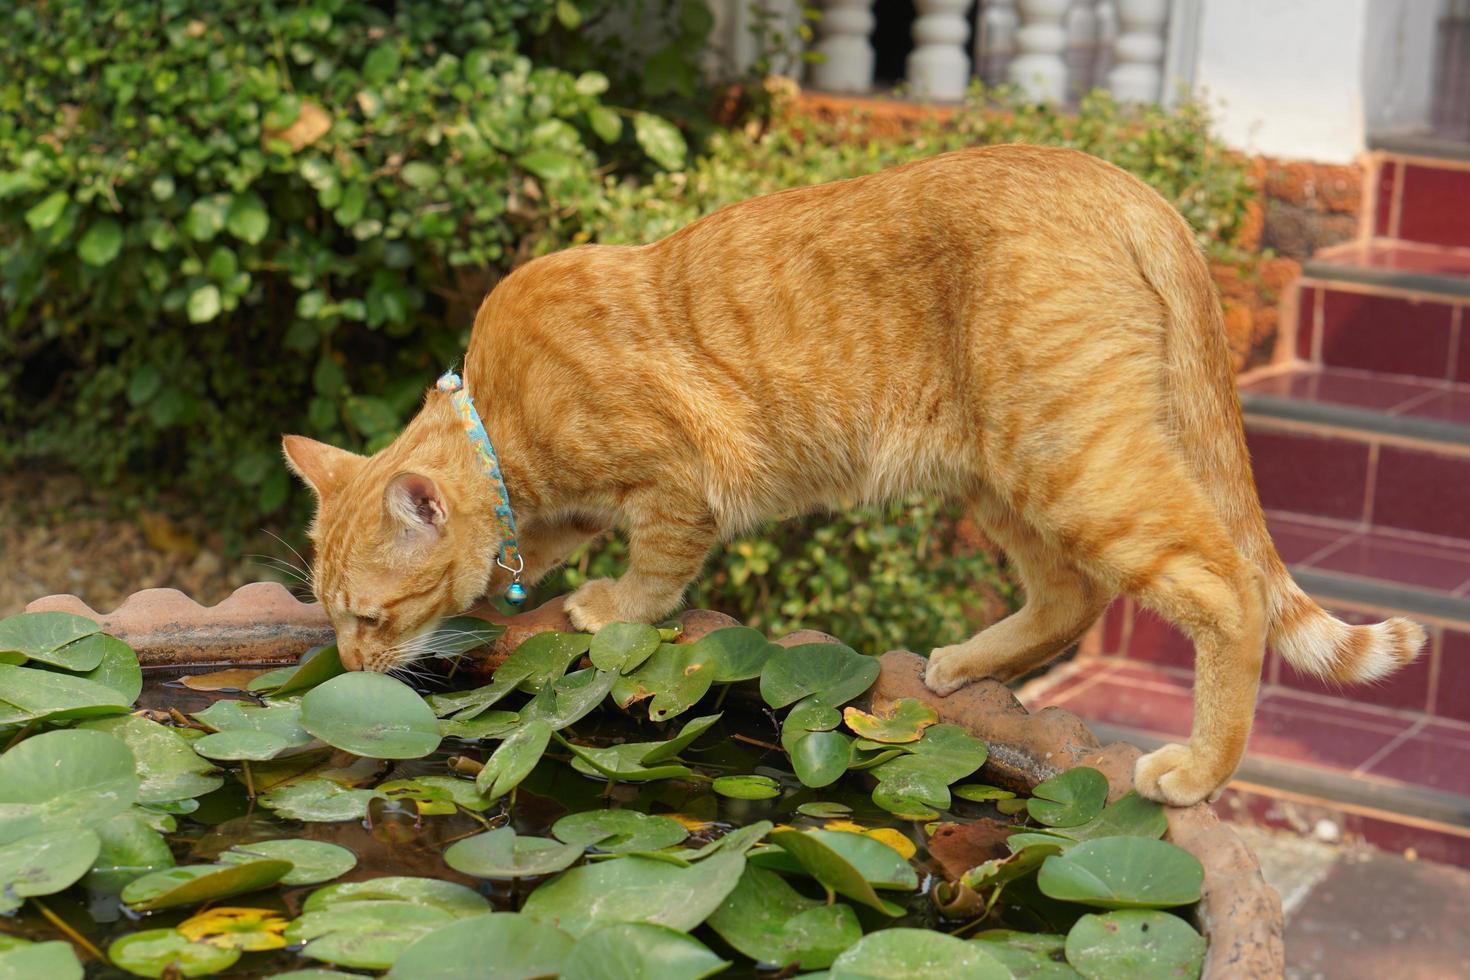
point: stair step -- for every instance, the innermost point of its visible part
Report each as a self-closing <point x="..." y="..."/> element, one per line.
<point x="1397" y="265"/>
<point x="1343" y="398"/>
<point x="1418" y="193"/>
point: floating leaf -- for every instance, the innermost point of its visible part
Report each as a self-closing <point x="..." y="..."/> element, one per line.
<point x="316" y="667"/>
<point x="635" y="889"/>
<point x="193" y="883"/>
<point x="1029" y="955"/>
<point x="436" y="794"/>
<point x="318" y="801"/>
<point x="849" y="864"/>
<point x="904" y="721"/>
<point x="747" y="787"/>
<point x="819" y="758"/>
<point x="896" y="839"/>
<point x="639" y="950"/>
<point x="824" y="810"/>
<point x="371" y="715"/>
<point x="740" y="653"/>
<point x="447" y="896"/>
<point x="55" y="960"/>
<point x="773" y="923"/>
<point x="154" y="952"/>
<point x="41" y="864"/>
<point x="916" y="954"/>
<point x="738" y="841"/>
<point x="1003" y="870"/>
<point x="537" y="662"/>
<point x="312" y="861"/>
<point x="368" y="935"/>
<point x="131" y="848"/>
<point x="34" y="695"/>
<point x="622" y="646"/>
<point x="619" y="831"/>
<point x="516" y="945"/>
<point x="1123" y="872"/>
<point x="167" y="765"/>
<point x="44" y="636"/>
<point x="571" y="698"/>
<point x="693" y="728"/>
<point x="621" y="762"/>
<point x="513" y="760"/>
<point x="245" y="929"/>
<point x="835" y="673"/>
<point x="118" y="668"/>
<point x="230" y="679"/>
<point x="1135" y="944"/>
<point x="980" y="793"/>
<point x="1130" y="816"/>
<point x="491" y="724"/>
<point x="68" y="778"/>
<point x="501" y="853"/>
<point x="1074" y="797"/>
<point x="243" y="730"/>
<point x="675" y="678"/>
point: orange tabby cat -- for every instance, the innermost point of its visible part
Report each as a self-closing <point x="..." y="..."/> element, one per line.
<point x="1031" y="331"/>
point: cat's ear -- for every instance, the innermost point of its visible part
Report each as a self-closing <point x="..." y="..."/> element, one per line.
<point x="322" y="467"/>
<point x="415" y="502"/>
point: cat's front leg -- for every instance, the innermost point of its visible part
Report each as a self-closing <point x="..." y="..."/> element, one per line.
<point x="667" y="548"/>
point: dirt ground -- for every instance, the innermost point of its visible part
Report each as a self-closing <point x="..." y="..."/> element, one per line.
<point x="57" y="536"/>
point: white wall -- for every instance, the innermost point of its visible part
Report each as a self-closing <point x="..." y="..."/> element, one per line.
<point x="1398" y="64"/>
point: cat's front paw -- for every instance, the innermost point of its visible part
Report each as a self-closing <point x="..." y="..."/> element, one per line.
<point x="948" y="670"/>
<point x="594" y="605"/>
<point x="1176" y="775"/>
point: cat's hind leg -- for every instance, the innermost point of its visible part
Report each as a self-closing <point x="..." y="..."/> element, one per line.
<point x="1061" y="603"/>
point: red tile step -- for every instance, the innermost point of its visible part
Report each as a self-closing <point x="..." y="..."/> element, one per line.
<point x="1395" y="777"/>
<point x="1419" y="191"/>
<point x="1373" y="317"/>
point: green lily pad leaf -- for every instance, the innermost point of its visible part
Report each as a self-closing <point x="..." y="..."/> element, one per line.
<point x="619" y="831"/>
<point x="981" y="793"/>
<point x="1135" y="944"/>
<point x="946" y="751"/>
<point x="371" y="715"/>
<point x="312" y="861"/>
<point x="447" y="896"/>
<point x="635" y="889"/>
<point x="33" y="695"/>
<point x="1074" y="797"/>
<point x="513" y="760"/>
<point x="904" y="721"/>
<point x="243" y="730"/>
<point x="621" y="762"/>
<point x="849" y="864"/>
<point x="747" y="787"/>
<point x="809" y="715"/>
<point x="458" y="635"/>
<point x="118" y="668"/>
<point x="314" y="973"/>
<point x="693" y="728"/>
<point x="194" y="883"/>
<point x="740" y="653"/>
<point x="916" y="954"/>
<point x="834" y="672"/>
<point x="502" y="853"/>
<point x="738" y="841"/>
<point x="1011" y="807"/>
<point x="1029" y="955"/>
<point x="44" y="636"/>
<point x="639" y="951"/>
<point x="537" y="662"/>
<point x="167" y="766"/>
<point x="154" y="951"/>
<point x="824" y="810"/>
<point x="318" y="801"/>
<point x="675" y="678"/>
<point x="490" y="725"/>
<point x="130" y="849"/>
<point x="67" y="778"/>
<point x="912" y="792"/>
<point x="316" y="667"/>
<point x="1001" y="871"/>
<point x="55" y="960"/>
<point x="1130" y="816"/>
<point x="436" y="794"/>
<point x="1123" y="872"/>
<point x="369" y="935"/>
<point x="622" y="646"/>
<point x="819" y="758"/>
<point x="44" y="863"/>
<point x="773" y="923"/>
<point x="517" y="947"/>
<point x="246" y="929"/>
<point x="570" y="698"/>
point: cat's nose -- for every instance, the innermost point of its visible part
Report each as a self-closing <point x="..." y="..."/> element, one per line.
<point x="351" y="655"/>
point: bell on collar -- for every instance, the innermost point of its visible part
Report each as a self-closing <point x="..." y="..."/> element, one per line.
<point x="516" y="594"/>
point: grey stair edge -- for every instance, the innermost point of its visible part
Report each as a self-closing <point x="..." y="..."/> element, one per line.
<point x="1382" y="595"/>
<point x="1420" y="145"/>
<point x="1419" y="802"/>
<point x="1423" y="282"/>
<point x="1353" y="417"/>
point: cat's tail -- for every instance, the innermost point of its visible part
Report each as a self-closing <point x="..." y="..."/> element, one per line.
<point x="1206" y="414"/>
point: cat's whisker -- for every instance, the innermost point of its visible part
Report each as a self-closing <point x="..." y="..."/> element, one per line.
<point x="305" y="566"/>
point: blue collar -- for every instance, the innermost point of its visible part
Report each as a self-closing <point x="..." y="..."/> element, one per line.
<point x="509" y="555"/>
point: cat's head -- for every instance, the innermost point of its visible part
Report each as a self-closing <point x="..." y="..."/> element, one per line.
<point x="393" y="556"/>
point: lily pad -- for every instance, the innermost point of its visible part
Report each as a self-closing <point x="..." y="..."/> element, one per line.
<point x="1135" y="944"/>
<point x="248" y="930"/>
<point x="747" y="787"/>
<point x="740" y="653"/>
<point x="153" y="952"/>
<point x="537" y="662"/>
<point x="167" y="765"/>
<point x="981" y="793"/>
<point x="1029" y="955"/>
<point x="118" y="668"/>
<point x="44" y="863"/>
<point x="130" y="849"/>
<point x="491" y="724"/>
<point x="835" y="673"/>
<point x="635" y="889"/>
<point x="913" y="793"/>
<point x="371" y="715"/>
<point x="622" y="646"/>
<point x="436" y="794"/>
<point x="502" y="853"/>
<point x="1123" y="872"/>
<point x="738" y="841"/>
<point x="639" y="951"/>
<point x="312" y="861"/>
<point x="1001" y="871"/>
<point x="849" y="864"/>
<point x="1130" y="816"/>
<point x="947" y="751"/>
<point x="245" y="731"/>
<point x="569" y="699"/>
<point x="1074" y="797"/>
<point x="447" y="896"/>
<point x="34" y="695"/>
<point x="318" y="801"/>
<point x="368" y="935"/>
<point x="675" y="678"/>
<point x="69" y="778"/>
<point x="771" y="922"/>
<point x="46" y="636"/>
<point x="824" y="810"/>
<point x="193" y="883"/>
<point x="513" y="760"/>
<point x="316" y="667"/>
<point x="916" y="954"/>
<point x="621" y="763"/>
<point x="230" y="679"/>
<point x="693" y="728"/>
<point x="503" y="946"/>
<point x="54" y="960"/>
<point x="619" y="831"/>
<point x="904" y="721"/>
<point x="818" y="758"/>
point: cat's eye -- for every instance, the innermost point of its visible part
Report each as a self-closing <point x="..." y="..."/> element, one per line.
<point x="370" y="622"/>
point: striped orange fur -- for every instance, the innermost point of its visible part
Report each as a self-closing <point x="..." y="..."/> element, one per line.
<point x="1029" y="330"/>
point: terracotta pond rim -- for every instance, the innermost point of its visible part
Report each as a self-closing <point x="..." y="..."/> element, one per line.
<point x="1239" y="914"/>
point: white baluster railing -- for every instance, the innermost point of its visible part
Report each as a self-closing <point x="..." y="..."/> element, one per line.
<point x="995" y="39"/>
<point x="938" y="67"/>
<point x="1082" y="25"/>
<point x="1137" y="75"/>
<point x="1038" y="68"/>
<point x="847" y="54"/>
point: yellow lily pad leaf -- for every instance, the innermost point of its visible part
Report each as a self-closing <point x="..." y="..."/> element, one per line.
<point x="692" y="824"/>
<point x="847" y="825"/>
<point x="904" y="721"/>
<point x="894" y="839"/>
<point x="245" y="929"/>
